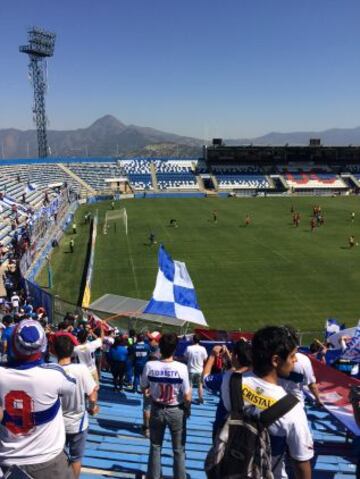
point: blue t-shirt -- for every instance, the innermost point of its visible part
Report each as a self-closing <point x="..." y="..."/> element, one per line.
<point x="141" y="353"/>
<point x="6" y="336"/>
<point x="119" y="353"/>
<point x="213" y="382"/>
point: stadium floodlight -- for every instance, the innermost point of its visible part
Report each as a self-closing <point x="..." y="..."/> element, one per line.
<point x="41" y="46"/>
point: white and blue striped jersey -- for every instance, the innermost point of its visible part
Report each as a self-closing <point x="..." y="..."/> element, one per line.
<point x="168" y="381"/>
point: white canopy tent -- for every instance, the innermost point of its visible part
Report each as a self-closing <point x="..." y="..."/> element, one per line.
<point x="132" y="308"/>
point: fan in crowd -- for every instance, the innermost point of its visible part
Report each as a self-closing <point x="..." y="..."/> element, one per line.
<point x="42" y="362"/>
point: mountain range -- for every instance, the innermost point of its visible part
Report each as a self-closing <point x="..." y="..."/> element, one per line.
<point x="108" y="136"/>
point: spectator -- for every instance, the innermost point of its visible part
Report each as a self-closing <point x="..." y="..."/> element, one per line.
<point x="274" y="355"/>
<point x="170" y="392"/>
<point x="241" y="361"/>
<point x="118" y="355"/>
<point x="140" y="351"/>
<point x="32" y="435"/>
<point x="108" y="341"/>
<point x="15" y="301"/>
<point x="302" y="375"/>
<point x="130" y="362"/>
<point x="6" y="342"/>
<point x="196" y="355"/>
<point x="74" y="407"/>
<point x="318" y="350"/>
<point x="154" y="339"/>
<point x="154" y="355"/>
<point x="64" y="329"/>
<point x="85" y="352"/>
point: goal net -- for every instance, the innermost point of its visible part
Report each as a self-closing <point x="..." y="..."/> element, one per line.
<point x="117" y="216"/>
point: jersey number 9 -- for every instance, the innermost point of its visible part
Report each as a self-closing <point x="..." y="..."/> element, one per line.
<point x="18" y="405"/>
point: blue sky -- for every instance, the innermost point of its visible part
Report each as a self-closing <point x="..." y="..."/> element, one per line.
<point x="205" y="68"/>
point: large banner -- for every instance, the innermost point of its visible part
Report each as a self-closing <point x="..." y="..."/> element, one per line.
<point x="90" y="268"/>
<point x="334" y="388"/>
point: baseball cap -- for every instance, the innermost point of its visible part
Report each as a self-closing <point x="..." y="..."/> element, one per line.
<point x="29" y="338"/>
<point x="156" y="335"/>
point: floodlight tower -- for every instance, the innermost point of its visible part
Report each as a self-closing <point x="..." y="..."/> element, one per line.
<point x="41" y="45"/>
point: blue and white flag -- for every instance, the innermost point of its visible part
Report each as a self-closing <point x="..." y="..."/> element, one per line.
<point x="353" y="347"/>
<point x="174" y="294"/>
<point x="331" y="327"/>
<point x="30" y="187"/>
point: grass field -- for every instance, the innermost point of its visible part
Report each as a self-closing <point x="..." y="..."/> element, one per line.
<point x="267" y="272"/>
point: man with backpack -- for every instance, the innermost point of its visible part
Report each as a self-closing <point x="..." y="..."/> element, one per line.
<point x="264" y="421"/>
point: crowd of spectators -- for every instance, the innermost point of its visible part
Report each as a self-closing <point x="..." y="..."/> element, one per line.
<point x="50" y="379"/>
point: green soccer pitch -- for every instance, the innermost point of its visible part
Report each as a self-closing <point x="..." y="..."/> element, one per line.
<point x="268" y="272"/>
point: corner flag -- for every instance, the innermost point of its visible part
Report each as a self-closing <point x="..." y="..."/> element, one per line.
<point x="174" y="294"/>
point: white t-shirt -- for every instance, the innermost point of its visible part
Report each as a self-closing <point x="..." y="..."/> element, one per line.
<point x="291" y="430"/>
<point x="15" y="300"/>
<point x="108" y="341"/>
<point x="31" y="397"/>
<point x="195" y="356"/>
<point x="302" y="375"/>
<point x="168" y="381"/>
<point x="74" y="407"/>
<point x="85" y="353"/>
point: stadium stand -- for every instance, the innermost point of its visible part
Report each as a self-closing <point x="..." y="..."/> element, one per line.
<point x="354" y="170"/>
<point x="95" y="174"/>
<point x="41" y="174"/>
<point x="138" y="172"/>
<point x="240" y="177"/>
<point x="116" y="445"/>
<point x="175" y="174"/>
<point x="311" y="177"/>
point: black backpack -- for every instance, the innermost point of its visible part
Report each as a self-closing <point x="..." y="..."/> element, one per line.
<point x="242" y="447"/>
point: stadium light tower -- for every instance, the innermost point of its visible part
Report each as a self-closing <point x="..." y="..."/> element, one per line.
<point x="41" y="45"/>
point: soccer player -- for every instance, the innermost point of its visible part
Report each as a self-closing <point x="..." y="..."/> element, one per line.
<point x="196" y="355"/>
<point x="351" y="241"/>
<point x="74" y="407"/>
<point x="215" y="216"/>
<point x="173" y="223"/>
<point x="32" y="434"/>
<point x="247" y="220"/>
<point x="170" y="392"/>
<point x="71" y="245"/>
<point x="152" y="240"/>
<point x="352" y="216"/>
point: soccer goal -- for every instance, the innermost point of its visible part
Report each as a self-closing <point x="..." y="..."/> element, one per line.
<point x="116" y="215"/>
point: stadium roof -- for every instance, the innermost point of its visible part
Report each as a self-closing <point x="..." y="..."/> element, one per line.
<point x="133" y="308"/>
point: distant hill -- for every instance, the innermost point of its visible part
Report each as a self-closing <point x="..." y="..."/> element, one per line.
<point x="332" y="137"/>
<point x="108" y="136"/>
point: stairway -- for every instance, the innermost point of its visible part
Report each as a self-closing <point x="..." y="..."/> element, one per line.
<point x="86" y="189"/>
<point x="154" y="177"/>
